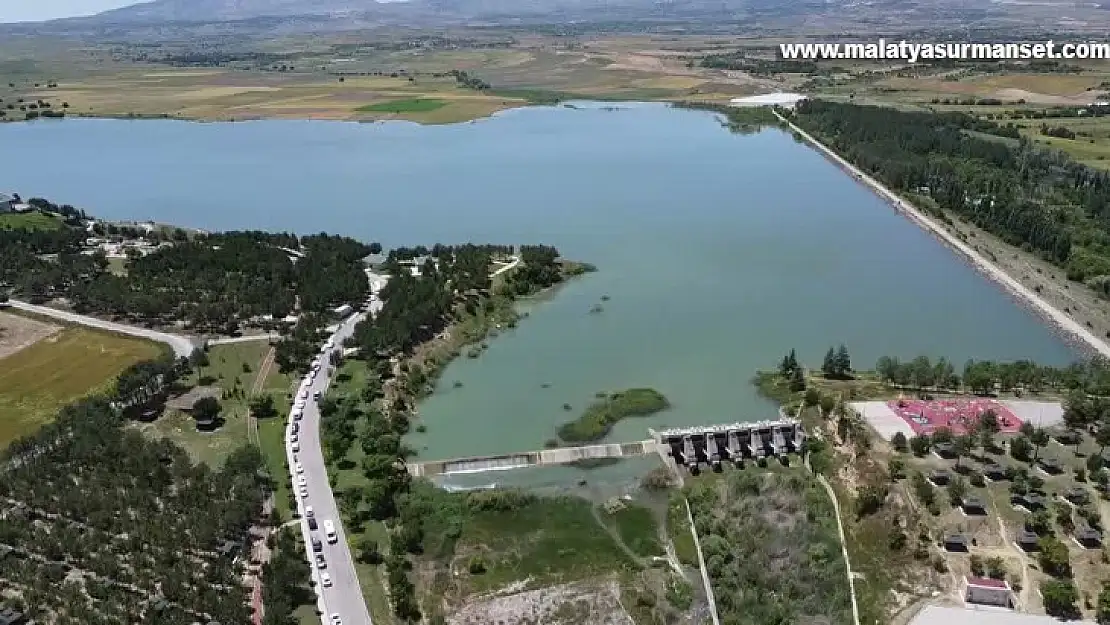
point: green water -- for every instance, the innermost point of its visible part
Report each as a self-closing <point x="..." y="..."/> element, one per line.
<point x="719" y="252"/>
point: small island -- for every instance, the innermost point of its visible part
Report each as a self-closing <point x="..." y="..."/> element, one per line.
<point x="599" y="418"/>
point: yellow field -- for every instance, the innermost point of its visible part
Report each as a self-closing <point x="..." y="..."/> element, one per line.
<point x="38" y="380"/>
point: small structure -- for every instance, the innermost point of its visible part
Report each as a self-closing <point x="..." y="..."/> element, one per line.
<point x="228" y="549"/>
<point x="1028" y="541"/>
<point x="1077" y="496"/>
<point x="945" y="450"/>
<point x="343" y="311"/>
<point x="956" y="542"/>
<point x="1030" y="501"/>
<point x="1069" y="437"/>
<point x="994" y="472"/>
<point x="1052" y="466"/>
<point x="188" y="400"/>
<point x="1089" y="537"/>
<point x="785" y="100"/>
<point x="9" y="616"/>
<point x="974" y="506"/>
<point x="986" y="591"/>
<point x="8" y="202"/>
<point x="940" y="477"/>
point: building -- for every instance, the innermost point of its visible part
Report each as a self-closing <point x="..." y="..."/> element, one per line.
<point x="1089" y="537"/>
<point x="7" y="203"/>
<point x="940" y="477"/>
<point x="1077" y="496"/>
<point x="344" y="310"/>
<point x="8" y="616"/>
<point x="1028" y="541"/>
<point x="987" y="591"/>
<point x="975" y="615"/>
<point x="785" y="100"/>
<point x="956" y="542"/>
<point x="974" y="506"/>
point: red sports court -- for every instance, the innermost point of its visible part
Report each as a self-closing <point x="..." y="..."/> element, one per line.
<point x="958" y="415"/>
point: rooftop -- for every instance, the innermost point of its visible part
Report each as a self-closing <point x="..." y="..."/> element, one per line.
<point x="187" y="400"/>
<point x="943" y="615"/>
<point x="769" y="99"/>
<point x="986" y="582"/>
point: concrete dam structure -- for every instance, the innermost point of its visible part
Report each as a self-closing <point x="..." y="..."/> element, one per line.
<point x="735" y="442"/>
<point x="689" y="447"/>
<point x="521" y="460"/>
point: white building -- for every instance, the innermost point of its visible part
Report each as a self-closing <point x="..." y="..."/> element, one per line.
<point x="785" y="100"/>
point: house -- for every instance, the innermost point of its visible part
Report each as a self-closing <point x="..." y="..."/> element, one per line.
<point x="1030" y="501"/>
<point x="956" y="542"/>
<point x="1028" y="541"/>
<point x="972" y="614"/>
<point x="1089" y="537"/>
<point x="1077" y="496"/>
<point x="945" y="450"/>
<point x="1051" y="466"/>
<point x="974" y="506"/>
<point x="7" y="203"/>
<point x="986" y="591"/>
<point x="940" y="477"/>
<point x="343" y="311"/>
<point x="1070" y="437"/>
<point x="994" y="472"/>
<point x="9" y="616"/>
<point x="228" y="549"/>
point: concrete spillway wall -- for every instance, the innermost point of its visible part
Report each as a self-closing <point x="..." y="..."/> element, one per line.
<point x="546" y="457"/>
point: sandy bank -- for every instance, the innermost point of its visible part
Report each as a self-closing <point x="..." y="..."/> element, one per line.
<point x="1054" y="315"/>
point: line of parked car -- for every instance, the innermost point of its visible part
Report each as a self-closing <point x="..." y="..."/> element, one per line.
<point x="301" y="480"/>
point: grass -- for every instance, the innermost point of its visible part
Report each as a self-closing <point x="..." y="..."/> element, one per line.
<point x="678" y="530"/>
<point x="271" y="435"/>
<point x="638" y="530"/>
<point x="33" y="220"/>
<point x="409" y="105"/>
<point x="598" y="420"/>
<point x="550" y="540"/>
<point x="37" y="381"/>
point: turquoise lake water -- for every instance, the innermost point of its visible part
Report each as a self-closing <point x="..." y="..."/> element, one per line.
<point x="719" y="252"/>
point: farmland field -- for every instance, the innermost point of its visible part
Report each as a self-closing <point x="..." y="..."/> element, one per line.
<point x="38" y="380"/>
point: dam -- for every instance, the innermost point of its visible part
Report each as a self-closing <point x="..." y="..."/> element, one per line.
<point x="688" y="446"/>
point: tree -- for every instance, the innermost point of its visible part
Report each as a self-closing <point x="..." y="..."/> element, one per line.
<point x="1061" y="599"/>
<point x="986" y="428"/>
<point x="843" y="362"/>
<point x="920" y="445"/>
<point x="962" y="446"/>
<point x="1021" y="449"/>
<point x="797" y="380"/>
<point x="1053" y="557"/>
<point x="206" y="410"/>
<point x="828" y="366"/>
<point x="789" y="364"/>
<point x="262" y="407"/>
<point x="1103" y="437"/>
<point x="899" y="442"/>
<point x="957" y="490"/>
<point x="1102" y="612"/>
<point x="1039" y="439"/>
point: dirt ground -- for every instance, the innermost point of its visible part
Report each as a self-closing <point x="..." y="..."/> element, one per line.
<point x="1079" y="302"/>
<point x="567" y="604"/>
<point x="18" y="332"/>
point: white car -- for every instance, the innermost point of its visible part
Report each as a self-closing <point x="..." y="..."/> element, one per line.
<point x="296" y="446"/>
<point x="314" y="375"/>
<point x="335" y="620"/>
<point x="298" y="414"/>
<point x="303" y="492"/>
<point x="299" y="467"/>
<point x="304" y="393"/>
<point x="302" y="480"/>
<point x="325" y="579"/>
<point x="309" y="512"/>
<point x="299" y="405"/>
<point x="293" y="439"/>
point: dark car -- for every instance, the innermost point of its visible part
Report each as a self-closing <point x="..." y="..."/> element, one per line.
<point x="311" y="523"/>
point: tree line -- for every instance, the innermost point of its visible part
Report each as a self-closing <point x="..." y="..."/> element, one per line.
<point x="1035" y="199"/>
<point x="985" y="376"/>
<point x="142" y="530"/>
<point x="214" y="283"/>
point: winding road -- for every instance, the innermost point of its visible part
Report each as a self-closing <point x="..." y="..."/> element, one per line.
<point x="182" y="346"/>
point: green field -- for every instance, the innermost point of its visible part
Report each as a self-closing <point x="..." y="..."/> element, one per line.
<point x="599" y="418"/>
<point x="37" y="381"/>
<point x="234" y="369"/>
<point x="29" y="221"/>
<point x="407" y="105"/>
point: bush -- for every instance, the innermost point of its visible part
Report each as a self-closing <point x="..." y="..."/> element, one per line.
<point x="599" y="418"/>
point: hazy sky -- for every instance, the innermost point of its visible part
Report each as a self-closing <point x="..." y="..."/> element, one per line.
<point x="38" y="10"/>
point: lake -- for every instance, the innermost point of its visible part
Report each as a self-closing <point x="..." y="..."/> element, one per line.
<point x="718" y="252"/>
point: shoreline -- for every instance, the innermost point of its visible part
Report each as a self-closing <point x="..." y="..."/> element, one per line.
<point x="1055" y="317"/>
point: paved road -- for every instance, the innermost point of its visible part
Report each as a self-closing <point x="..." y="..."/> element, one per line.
<point x="230" y="340"/>
<point x="182" y="345"/>
<point x="344" y="597"/>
